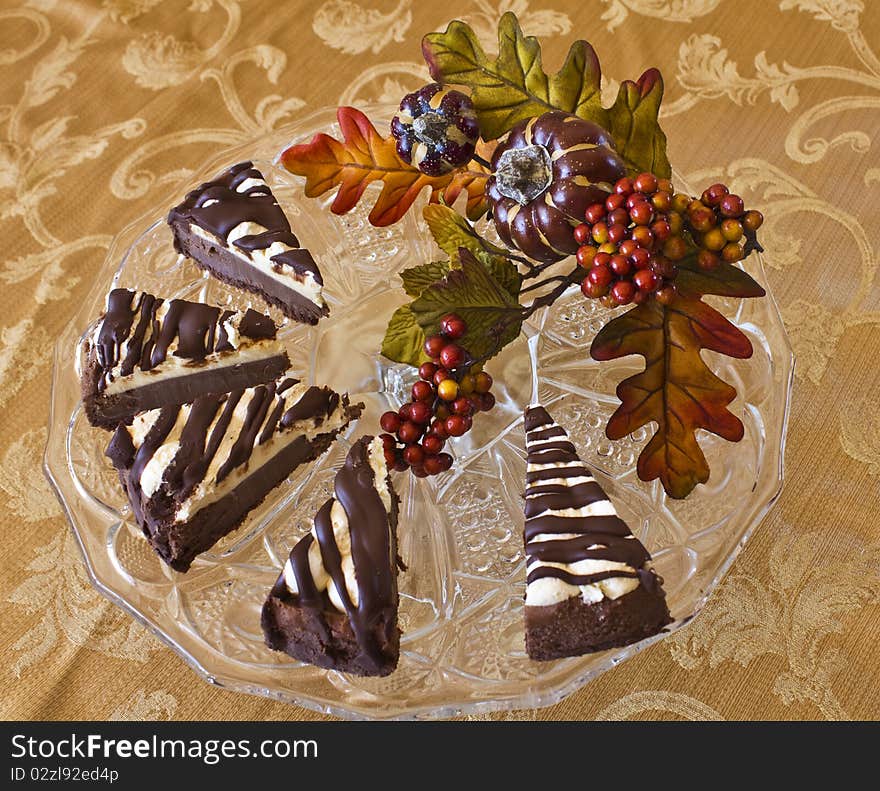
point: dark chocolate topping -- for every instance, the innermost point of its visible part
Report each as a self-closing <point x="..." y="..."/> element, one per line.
<point x="559" y="456"/>
<point x="198" y="329"/>
<point x="592" y="525"/>
<point x="576" y="579"/>
<point x="601" y="537"/>
<point x="315" y="402"/>
<point x="370" y="531"/>
<point x="256" y="204"/>
<point x="564" y="445"/>
<point x="560" y="497"/>
<point x="537" y="416"/>
<point x="199" y="443"/>
<point x="557" y="472"/>
<point x="540" y="435"/>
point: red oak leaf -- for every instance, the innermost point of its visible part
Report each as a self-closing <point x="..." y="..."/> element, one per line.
<point x="676" y="390"/>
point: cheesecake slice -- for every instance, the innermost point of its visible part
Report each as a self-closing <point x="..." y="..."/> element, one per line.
<point x="335" y="603"/>
<point x="589" y="583"/>
<point x="234" y="228"/>
<point x="146" y="352"/>
<point x="192" y="472"/>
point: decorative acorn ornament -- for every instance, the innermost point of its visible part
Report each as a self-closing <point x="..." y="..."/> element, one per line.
<point x="436" y="129"/>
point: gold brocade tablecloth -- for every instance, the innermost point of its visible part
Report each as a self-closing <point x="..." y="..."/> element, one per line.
<point x="103" y="104"/>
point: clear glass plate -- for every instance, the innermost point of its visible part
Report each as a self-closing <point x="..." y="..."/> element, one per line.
<point x="461" y="532"/>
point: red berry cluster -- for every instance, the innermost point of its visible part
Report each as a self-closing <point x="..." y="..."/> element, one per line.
<point x="629" y="243"/>
<point x="719" y="225"/>
<point x="444" y="400"/>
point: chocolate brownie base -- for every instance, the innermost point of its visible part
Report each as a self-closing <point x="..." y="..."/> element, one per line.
<point x="178" y="543"/>
<point x="108" y="411"/>
<point x="229" y="268"/>
<point x="325" y="639"/>
<point x="572" y="627"/>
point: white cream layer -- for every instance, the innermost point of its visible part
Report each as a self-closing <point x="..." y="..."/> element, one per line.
<point x="546" y="591"/>
<point x="304" y="284"/>
<point x="244" y="350"/>
<point x="342" y="539"/>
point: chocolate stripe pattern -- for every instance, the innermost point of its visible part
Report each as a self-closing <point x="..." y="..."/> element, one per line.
<point x="146" y="353"/>
<point x="180" y="459"/>
<point x="576" y="545"/>
<point x="139" y="332"/>
<point x="258" y="250"/>
<point x="348" y="561"/>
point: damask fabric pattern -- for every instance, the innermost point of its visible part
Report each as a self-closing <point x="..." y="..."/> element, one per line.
<point x="104" y="105"/>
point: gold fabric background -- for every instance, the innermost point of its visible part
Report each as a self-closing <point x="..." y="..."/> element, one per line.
<point x="103" y="104"/>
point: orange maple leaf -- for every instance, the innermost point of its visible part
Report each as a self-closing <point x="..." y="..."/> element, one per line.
<point x="364" y="157"/>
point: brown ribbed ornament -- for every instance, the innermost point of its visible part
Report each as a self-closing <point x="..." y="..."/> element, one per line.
<point x="545" y="175"/>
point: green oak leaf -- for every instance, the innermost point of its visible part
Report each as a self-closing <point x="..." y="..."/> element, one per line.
<point x="417" y="278"/>
<point x="404" y="338"/>
<point x="492" y="314"/>
<point x="451" y="232"/>
<point x="513" y="86"/>
<point x="632" y="122"/>
<point x="504" y="271"/>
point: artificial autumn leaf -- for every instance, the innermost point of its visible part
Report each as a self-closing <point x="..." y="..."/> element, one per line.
<point x="676" y="390"/>
<point x="503" y="271"/>
<point x="404" y="338"/>
<point x="364" y="157"/>
<point x="452" y="232"/>
<point x="727" y="280"/>
<point x="417" y="278"/>
<point x="492" y="314"/>
<point x="513" y="87"/>
<point x="632" y="121"/>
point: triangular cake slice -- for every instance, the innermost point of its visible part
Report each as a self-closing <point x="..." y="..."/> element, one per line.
<point x="589" y="584"/>
<point x="234" y="228"/>
<point x="147" y="352"/>
<point x="335" y="603"/>
<point x="193" y="472"/>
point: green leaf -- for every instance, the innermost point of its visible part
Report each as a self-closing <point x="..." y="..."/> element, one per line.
<point x="493" y="316"/>
<point x="513" y="86"/>
<point x="404" y="338"/>
<point x="417" y="278"/>
<point x="727" y="280"/>
<point x="451" y="231"/>
<point x="632" y="122"/>
<point x="504" y="271"/>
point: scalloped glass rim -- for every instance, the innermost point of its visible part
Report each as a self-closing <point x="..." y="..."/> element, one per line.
<point x="97" y="525"/>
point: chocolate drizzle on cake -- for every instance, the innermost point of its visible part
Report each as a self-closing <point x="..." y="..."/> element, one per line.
<point x="139" y="330"/>
<point x="220" y="205"/>
<point x="579" y="550"/>
<point x="147" y="352"/>
<point x="594" y="536"/>
<point x="235" y="447"/>
<point x="238" y="210"/>
<point x="206" y="424"/>
<point x="354" y="536"/>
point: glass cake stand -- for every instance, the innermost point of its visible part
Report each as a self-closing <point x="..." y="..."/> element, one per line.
<point x="461" y="532"/>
